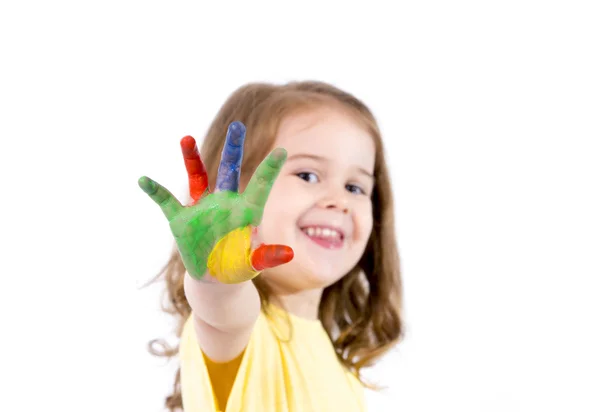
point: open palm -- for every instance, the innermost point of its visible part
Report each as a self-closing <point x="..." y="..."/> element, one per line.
<point x="214" y="232"/>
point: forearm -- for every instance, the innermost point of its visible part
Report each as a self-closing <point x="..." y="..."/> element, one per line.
<point x="226" y="307"/>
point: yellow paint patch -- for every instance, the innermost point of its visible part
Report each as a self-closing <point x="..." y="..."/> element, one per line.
<point x="229" y="261"/>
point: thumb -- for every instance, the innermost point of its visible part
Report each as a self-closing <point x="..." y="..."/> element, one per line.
<point x="263" y="256"/>
<point x="269" y="256"/>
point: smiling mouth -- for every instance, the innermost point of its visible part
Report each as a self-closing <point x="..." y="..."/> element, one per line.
<point x="326" y="237"/>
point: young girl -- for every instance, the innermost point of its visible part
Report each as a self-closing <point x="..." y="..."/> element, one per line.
<point x="310" y="221"/>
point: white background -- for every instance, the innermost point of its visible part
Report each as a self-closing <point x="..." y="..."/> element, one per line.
<point x="491" y="117"/>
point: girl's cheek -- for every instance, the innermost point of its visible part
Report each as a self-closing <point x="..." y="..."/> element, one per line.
<point x="364" y="218"/>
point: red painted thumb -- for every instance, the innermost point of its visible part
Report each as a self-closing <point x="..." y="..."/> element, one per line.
<point x="269" y="256"/>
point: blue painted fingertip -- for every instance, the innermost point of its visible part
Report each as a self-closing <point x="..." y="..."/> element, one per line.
<point x="236" y="133"/>
<point x="228" y="175"/>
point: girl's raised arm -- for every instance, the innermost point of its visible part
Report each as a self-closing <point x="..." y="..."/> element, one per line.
<point x="214" y="236"/>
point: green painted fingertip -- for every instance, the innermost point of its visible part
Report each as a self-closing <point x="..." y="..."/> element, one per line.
<point x="147" y="185"/>
<point x="279" y="154"/>
<point x="276" y="158"/>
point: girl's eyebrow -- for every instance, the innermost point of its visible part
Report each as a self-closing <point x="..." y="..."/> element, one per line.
<point x="307" y="156"/>
<point x="324" y="159"/>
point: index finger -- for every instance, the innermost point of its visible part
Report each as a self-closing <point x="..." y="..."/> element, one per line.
<point x="228" y="176"/>
<point x="262" y="180"/>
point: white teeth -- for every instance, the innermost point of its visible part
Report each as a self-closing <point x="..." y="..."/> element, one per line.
<point x="323" y="232"/>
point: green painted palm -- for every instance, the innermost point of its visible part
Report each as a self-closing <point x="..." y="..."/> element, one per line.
<point x="214" y="232"/>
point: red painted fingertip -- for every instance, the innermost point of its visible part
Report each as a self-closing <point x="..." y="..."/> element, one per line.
<point x="269" y="256"/>
<point x="188" y="143"/>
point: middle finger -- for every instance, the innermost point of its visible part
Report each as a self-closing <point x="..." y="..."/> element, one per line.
<point x="228" y="176"/>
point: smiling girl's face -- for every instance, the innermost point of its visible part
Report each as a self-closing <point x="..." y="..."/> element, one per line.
<point x="320" y="204"/>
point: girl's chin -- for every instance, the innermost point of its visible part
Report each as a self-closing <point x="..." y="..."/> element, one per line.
<point x="303" y="275"/>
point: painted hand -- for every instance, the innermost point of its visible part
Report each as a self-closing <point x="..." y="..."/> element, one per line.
<point x="215" y="231"/>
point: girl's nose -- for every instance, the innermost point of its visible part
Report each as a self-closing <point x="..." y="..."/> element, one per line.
<point x="335" y="201"/>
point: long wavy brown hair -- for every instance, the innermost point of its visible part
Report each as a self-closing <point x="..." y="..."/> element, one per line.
<point x="362" y="312"/>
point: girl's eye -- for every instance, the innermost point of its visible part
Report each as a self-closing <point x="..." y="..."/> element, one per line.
<point x="355" y="189"/>
<point x="309" y="177"/>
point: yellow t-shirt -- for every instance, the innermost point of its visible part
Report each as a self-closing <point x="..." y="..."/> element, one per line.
<point x="276" y="373"/>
